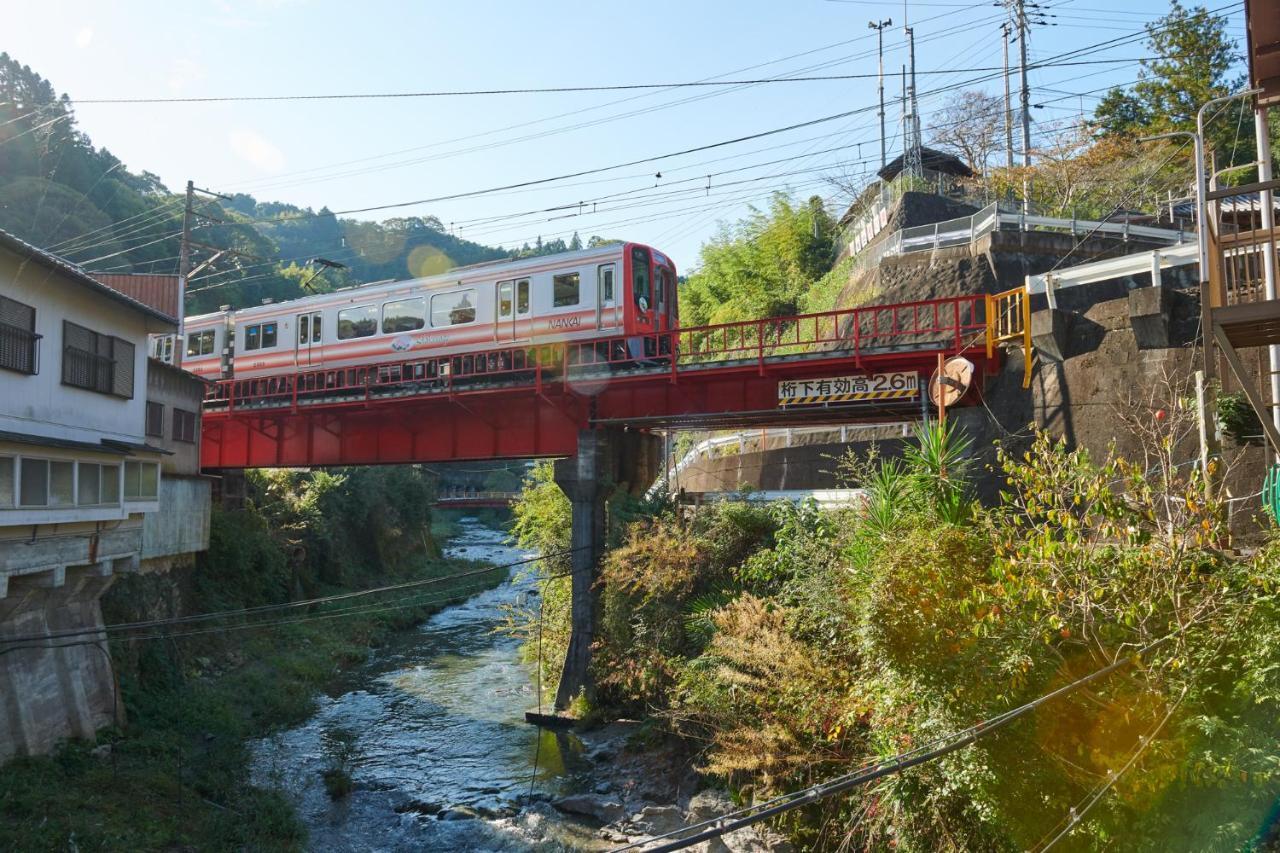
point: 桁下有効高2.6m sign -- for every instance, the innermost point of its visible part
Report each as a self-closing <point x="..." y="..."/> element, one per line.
<point x="838" y="389"/>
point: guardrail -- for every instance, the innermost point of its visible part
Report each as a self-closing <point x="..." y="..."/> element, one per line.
<point x="966" y="230"/>
<point x="951" y="323"/>
<point x="465" y="496"/>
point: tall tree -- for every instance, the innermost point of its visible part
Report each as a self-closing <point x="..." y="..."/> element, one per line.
<point x="970" y="125"/>
<point x="1191" y="55"/>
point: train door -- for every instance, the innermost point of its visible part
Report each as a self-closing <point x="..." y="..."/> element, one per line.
<point x="309" y="332"/>
<point x="512" y="309"/>
<point x="607" y="309"/>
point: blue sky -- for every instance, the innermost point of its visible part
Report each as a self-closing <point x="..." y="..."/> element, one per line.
<point x="353" y="154"/>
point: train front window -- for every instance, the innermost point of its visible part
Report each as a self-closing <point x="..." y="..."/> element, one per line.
<point x="404" y="316"/>
<point x="641" y="290"/>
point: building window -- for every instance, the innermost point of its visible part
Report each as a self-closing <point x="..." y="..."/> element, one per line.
<point x="96" y="362"/>
<point x="200" y="343"/>
<point x="62" y="483"/>
<point x="33" y="482"/>
<point x="141" y="481"/>
<point x="453" y="309"/>
<point x="7" y="482"/>
<point x="403" y="316"/>
<point x="155" y="419"/>
<point x="565" y="290"/>
<point x="99" y="485"/>
<point x="357" y="322"/>
<point x="184" y="425"/>
<point x="17" y="336"/>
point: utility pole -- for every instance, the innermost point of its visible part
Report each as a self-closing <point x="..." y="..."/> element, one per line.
<point x="1008" y="107"/>
<point x="879" y="28"/>
<point x="184" y="269"/>
<point x="914" y="167"/>
<point x="1268" y="222"/>
<point x="1020" y="12"/>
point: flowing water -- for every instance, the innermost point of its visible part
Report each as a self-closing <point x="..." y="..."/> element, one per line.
<point x="433" y="722"/>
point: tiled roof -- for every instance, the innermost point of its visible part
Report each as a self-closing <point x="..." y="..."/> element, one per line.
<point x="51" y="261"/>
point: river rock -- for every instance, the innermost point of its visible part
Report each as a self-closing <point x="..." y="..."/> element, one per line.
<point x="707" y="804"/>
<point x="458" y="813"/>
<point x="657" y="820"/>
<point x="419" y="807"/>
<point x="590" y="805"/>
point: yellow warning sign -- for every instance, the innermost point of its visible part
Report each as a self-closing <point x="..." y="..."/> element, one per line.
<point x="840" y="389"/>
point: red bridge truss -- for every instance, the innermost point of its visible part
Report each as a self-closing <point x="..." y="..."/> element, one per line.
<point x="531" y="401"/>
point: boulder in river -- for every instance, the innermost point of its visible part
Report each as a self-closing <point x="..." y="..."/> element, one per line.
<point x="458" y="813"/>
<point x="419" y="807"/>
<point x="657" y="820"/>
<point x="589" y="805"/>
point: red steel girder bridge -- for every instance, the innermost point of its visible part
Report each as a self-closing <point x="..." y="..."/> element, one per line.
<point x="515" y="402"/>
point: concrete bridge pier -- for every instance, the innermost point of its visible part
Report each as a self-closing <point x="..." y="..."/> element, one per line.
<point x="608" y="461"/>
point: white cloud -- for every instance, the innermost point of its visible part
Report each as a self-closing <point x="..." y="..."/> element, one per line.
<point x="256" y="150"/>
<point x="84" y="36"/>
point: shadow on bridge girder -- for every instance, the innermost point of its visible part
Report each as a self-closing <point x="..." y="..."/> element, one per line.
<point x="781" y="417"/>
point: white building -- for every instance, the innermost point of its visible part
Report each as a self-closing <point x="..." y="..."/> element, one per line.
<point x="78" y="478"/>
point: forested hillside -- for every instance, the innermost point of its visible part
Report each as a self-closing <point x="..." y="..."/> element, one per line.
<point x="60" y="192"/>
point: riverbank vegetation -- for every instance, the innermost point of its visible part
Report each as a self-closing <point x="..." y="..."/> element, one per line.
<point x="176" y="775"/>
<point x="787" y="645"/>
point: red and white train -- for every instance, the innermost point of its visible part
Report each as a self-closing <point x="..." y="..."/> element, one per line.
<point x="617" y="290"/>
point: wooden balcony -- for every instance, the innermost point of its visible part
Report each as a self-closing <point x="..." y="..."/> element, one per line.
<point x="1238" y="247"/>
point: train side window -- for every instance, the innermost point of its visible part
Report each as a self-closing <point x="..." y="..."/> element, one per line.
<point x="522" y="296"/>
<point x="268" y="335"/>
<point x="565" y="290"/>
<point x="660" y="285"/>
<point x="357" y="322"/>
<point x="304" y="329"/>
<point x="640" y="282"/>
<point x="252" y="337"/>
<point x="453" y="309"/>
<point x="404" y="315"/>
<point x="315" y="328"/>
<point x="200" y="343"/>
<point x="506" y="300"/>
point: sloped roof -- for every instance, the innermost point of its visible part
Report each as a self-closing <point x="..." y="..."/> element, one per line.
<point x="50" y="261"/>
<point x="933" y="161"/>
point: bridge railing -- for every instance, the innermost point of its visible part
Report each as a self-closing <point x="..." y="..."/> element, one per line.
<point x="951" y="324"/>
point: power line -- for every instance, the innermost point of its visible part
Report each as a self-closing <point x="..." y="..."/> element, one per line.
<point x="1077" y="812"/>
<point x="532" y="91"/>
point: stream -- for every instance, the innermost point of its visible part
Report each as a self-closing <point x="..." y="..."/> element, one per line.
<point x="431" y="729"/>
